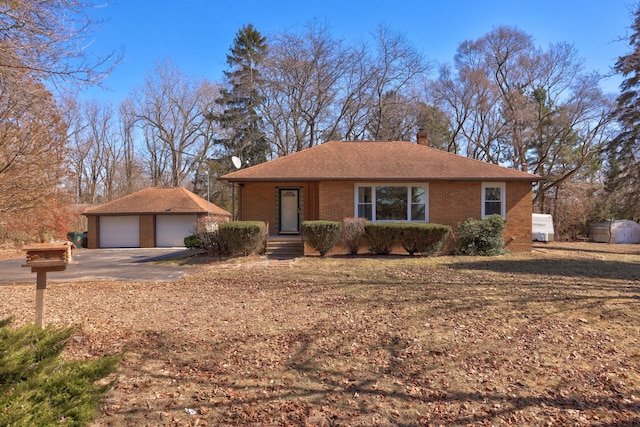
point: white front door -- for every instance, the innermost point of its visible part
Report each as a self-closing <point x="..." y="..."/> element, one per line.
<point x="289" y="217"/>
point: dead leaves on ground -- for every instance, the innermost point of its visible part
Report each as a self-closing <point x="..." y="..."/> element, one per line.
<point x="397" y="344"/>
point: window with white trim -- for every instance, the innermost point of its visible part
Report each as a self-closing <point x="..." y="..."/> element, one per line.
<point x="493" y="199"/>
<point x="392" y="202"/>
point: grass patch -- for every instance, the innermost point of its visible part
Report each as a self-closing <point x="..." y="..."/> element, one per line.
<point x="38" y="387"/>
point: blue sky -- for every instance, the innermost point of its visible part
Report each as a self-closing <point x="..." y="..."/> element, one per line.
<point x="197" y="34"/>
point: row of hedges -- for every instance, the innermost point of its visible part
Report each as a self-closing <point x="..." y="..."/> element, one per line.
<point x="415" y="238"/>
<point x="239" y="237"/>
<point x="473" y="237"/>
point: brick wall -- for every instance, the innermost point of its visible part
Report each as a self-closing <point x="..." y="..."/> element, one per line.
<point x="259" y="202"/>
<point x="450" y="202"/>
<point x="454" y="202"/>
<point x="519" y="209"/>
<point x="147" y="231"/>
<point x="336" y="200"/>
<point x="92" y="232"/>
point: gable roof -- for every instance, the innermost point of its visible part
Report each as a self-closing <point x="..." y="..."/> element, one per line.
<point x="376" y="161"/>
<point x="153" y="200"/>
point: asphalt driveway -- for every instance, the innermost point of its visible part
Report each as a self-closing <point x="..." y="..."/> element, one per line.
<point x="133" y="265"/>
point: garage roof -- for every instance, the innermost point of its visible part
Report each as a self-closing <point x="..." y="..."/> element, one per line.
<point x="154" y="200"/>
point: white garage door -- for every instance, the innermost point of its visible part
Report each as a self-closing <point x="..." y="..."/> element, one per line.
<point x="119" y="231"/>
<point x="172" y="229"/>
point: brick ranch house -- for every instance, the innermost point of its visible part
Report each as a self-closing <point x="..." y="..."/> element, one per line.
<point x="383" y="181"/>
<point x="153" y="217"/>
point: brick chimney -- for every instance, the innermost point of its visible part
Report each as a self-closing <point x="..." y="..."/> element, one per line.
<point x="422" y="137"/>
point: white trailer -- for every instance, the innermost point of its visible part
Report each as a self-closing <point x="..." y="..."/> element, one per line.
<point x="542" y="227"/>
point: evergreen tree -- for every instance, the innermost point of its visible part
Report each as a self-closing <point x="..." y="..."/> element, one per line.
<point x="242" y="125"/>
<point x="624" y="175"/>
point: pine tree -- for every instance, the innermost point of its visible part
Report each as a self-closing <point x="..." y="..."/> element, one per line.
<point x="624" y="180"/>
<point x="244" y="136"/>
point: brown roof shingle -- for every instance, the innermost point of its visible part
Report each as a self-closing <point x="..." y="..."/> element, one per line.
<point x="376" y="161"/>
<point x="177" y="200"/>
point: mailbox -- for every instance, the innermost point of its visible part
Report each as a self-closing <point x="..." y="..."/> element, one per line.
<point x="42" y="258"/>
<point x="48" y="256"/>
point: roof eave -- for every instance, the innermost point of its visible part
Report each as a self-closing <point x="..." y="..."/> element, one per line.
<point x="145" y="213"/>
<point x="390" y="179"/>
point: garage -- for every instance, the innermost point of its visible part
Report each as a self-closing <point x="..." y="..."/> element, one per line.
<point x="152" y="217"/>
<point x="172" y="229"/>
<point x="120" y="231"/>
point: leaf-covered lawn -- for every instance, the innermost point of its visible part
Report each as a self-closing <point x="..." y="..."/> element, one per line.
<point x="548" y="338"/>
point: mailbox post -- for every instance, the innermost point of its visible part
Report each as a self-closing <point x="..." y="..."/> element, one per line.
<point x="43" y="258"/>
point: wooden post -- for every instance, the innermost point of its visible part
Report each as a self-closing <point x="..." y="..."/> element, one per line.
<point x="41" y="285"/>
<point x="43" y="258"/>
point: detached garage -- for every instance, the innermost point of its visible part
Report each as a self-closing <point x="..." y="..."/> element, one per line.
<point x="153" y="217"/>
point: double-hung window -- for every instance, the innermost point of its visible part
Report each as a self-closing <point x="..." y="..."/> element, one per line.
<point x="392" y="202"/>
<point x="493" y="199"/>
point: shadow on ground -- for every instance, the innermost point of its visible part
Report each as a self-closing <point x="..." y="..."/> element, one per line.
<point x="567" y="267"/>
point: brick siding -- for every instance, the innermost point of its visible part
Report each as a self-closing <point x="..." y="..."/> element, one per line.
<point x="92" y="232"/>
<point x="147" y="225"/>
<point x="450" y="202"/>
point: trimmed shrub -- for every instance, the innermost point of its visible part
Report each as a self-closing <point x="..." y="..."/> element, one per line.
<point x="193" y="242"/>
<point x="422" y="237"/>
<point x="207" y="237"/>
<point x="352" y="232"/>
<point x="481" y="237"/>
<point x="214" y="243"/>
<point x="382" y="237"/>
<point x="322" y="235"/>
<point x="245" y="237"/>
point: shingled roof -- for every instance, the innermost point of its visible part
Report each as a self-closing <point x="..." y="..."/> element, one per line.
<point x="376" y="161"/>
<point x="177" y="200"/>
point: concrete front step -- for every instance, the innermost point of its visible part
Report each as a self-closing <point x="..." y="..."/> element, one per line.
<point x="285" y="248"/>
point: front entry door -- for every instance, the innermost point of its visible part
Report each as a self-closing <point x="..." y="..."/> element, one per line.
<point x="289" y="218"/>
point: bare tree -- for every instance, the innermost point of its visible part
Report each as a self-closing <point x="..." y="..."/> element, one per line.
<point x="48" y="40"/>
<point x="318" y="88"/>
<point x="172" y="112"/>
<point x="397" y="70"/>
<point x="131" y="172"/>
<point x="76" y="147"/>
<point x="102" y="150"/>
<point x="514" y="104"/>
<point x="302" y="73"/>
<point x="570" y="137"/>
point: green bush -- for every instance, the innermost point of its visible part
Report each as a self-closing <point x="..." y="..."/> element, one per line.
<point x="480" y="237"/>
<point x="422" y="237"/>
<point x="39" y="387"/>
<point x="210" y="241"/>
<point x="352" y="232"/>
<point x="193" y="242"/>
<point x="382" y="236"/>
<point x="322" y="235"/>
<point x="245" y="237"/>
